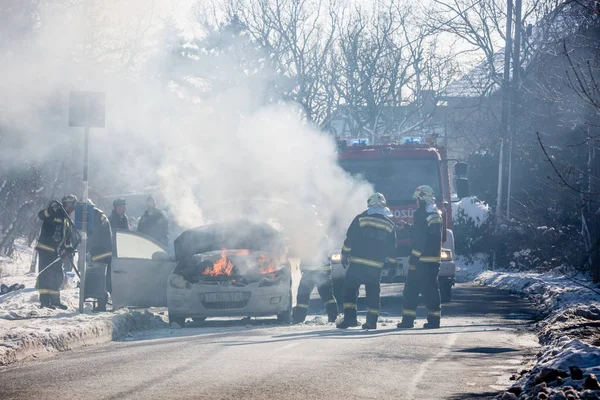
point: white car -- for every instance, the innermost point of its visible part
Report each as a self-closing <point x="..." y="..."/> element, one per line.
<point x="219" y="270"/>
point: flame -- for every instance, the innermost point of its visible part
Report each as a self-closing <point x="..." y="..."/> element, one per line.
<point x="222" y="267"/>
<point x="267" y="265"/>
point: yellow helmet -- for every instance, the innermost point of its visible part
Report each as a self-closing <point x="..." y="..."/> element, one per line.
<point x="425" y="193"/>
<point x="376" y="199"/>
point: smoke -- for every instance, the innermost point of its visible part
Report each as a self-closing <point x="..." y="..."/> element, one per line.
<point x="205" y="142"/>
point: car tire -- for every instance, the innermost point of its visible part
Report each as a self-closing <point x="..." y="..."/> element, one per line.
<point x="285" y="317"/>
<point x="445" y="290"/>
<point x="178" y="319"/>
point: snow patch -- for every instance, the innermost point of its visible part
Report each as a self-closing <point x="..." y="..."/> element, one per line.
<point x="472" y="208"/>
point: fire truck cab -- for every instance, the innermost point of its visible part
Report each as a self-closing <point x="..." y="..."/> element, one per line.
<point x="396" y="170"/>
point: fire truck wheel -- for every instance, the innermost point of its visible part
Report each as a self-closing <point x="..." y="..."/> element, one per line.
<point x="179" y="320"/>
<point x="445" y="290"/>
<point x="285" y="317"/>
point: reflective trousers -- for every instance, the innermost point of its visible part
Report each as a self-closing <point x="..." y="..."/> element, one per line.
<point x="50" y="279"/>
<point x="422" y="281"/>
<point x="356" y="276"/>
<point x="322" y="280"/>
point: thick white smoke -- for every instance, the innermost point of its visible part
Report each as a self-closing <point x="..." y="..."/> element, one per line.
<point x="229" y="145"/>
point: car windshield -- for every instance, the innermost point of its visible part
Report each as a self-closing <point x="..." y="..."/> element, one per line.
<point x="397" y="179"/>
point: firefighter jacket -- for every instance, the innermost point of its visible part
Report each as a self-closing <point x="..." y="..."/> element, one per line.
<point x="426" y="236"/>
<point x="118" y="222"/>
<point x="100" y="240"/>
<point x="156" y="226"/>
<point x="57" y="234"/>
<point x="370" y="240"/>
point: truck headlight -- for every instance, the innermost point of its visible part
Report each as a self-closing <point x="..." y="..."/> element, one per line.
<point x="336" y="258"/>
<point x="446" y="255"/>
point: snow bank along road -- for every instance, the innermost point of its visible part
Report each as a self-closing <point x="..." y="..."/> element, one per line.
<point x="483" y="342"/>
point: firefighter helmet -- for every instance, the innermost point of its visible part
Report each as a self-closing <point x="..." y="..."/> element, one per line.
<point x="425" y="193"/>
<point x="70" y="198"/>
<point x="376" y="199"/>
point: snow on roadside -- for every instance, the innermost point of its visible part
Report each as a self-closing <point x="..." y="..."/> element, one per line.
<point x="468" y="270"/>
<point x="472" y="208"/>
<point x="569" y="361"/>
<point x="26" y="331"/>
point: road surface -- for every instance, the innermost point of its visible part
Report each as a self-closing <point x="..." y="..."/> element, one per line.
<point x="483" y="341"/>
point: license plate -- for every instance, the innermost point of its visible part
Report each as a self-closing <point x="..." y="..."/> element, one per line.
<point x="219" y="297"/>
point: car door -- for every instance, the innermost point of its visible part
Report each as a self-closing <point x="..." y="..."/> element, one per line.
<point x="139" y="271"/>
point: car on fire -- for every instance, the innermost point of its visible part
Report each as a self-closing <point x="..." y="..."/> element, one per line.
<point x="236" y="267"/>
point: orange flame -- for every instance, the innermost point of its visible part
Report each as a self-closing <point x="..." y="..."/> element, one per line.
<point x="267" y="265"/>
<point x="222" y="267"/>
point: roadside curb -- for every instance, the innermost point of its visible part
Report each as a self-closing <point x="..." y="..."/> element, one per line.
<point x="20" y="344"/>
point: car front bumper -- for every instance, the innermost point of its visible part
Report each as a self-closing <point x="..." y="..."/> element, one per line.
<point x="226" y="300"/>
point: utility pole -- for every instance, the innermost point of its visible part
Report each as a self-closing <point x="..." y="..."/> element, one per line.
<point x="515" y="97"/>
<point x="505" y="104"/>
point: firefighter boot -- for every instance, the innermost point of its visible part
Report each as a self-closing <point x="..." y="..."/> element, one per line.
<point x="433" y="320"/>
<point x="44" y="301"/>
<point x="332" y="310"/>
<point x="371" y="321"/>
<point x="299" y="314"/>
<point x="349" y="319"/>
<point x="407" y="323"/>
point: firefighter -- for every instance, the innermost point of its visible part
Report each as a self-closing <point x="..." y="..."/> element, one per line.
<point x="424" y="262"/>
<point x="100" y="249"/>
<point x="370" y="244"/>
<point x="154" y="223"/>
<point x="315" y="273"/>
<point x="57" y="243"/>
<point x="118" y="219"/>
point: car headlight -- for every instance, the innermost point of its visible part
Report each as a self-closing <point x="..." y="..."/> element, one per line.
<point x="446" y="255"/>
<point x="336" y="258"/>
<point x="178" y="282"/>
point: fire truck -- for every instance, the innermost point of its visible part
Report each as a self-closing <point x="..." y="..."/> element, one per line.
<point x="396" y="170"/>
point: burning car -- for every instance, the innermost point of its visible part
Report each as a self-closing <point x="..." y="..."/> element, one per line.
<point x="232" y="269"/>
<point x="235" y="268"/>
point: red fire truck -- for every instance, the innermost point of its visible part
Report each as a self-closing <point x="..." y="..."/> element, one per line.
<point x="396" y="170"/>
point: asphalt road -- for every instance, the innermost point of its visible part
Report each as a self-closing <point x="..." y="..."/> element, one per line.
<point x="484" y="339"/>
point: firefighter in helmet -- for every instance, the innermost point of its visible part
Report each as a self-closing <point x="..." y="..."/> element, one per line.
<point x="424" y="262"/>
<point x="370" y="244"/>
<point x="100" y="249"/>
<point x="57" y="243"/>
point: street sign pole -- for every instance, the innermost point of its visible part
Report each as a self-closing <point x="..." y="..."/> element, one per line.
<point x="87" y="110"/>
<point x="83" y="252"/>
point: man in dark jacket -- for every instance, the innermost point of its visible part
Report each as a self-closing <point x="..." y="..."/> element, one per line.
<point x="370" y="244"/>
<point x="154" y="223"/>
<point x="424" y="262"/>
<point x="118" y="219"/>
<point x="57" y="242"/>
<point x="100" y="249"/>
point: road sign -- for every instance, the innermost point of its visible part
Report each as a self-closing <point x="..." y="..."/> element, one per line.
<point x="86" y="109"/>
